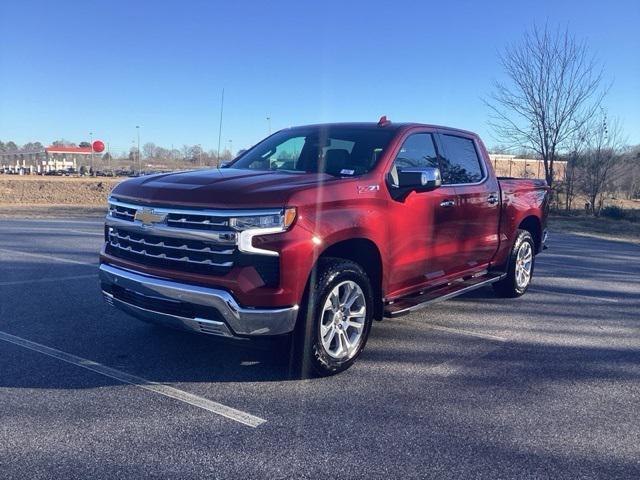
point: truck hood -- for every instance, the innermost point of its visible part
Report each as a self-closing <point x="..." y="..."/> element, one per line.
<point x="219" y="188"/>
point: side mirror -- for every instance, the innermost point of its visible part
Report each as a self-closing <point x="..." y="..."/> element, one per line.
<point x="419" y="179"/>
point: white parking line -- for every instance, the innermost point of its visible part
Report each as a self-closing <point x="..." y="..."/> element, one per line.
<point x="47" y="280"/>
<point x="457" y="331"/>
<point x="165" y="390"/>
<point x="48" y="257"/>
<point x="469" y="333"/>
<point x="580" y="267"/>
<point x="62" y="228"/>
<point x="575" y="295"/>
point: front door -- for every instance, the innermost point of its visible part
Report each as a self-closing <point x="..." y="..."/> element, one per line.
<point x="422" y="225"/>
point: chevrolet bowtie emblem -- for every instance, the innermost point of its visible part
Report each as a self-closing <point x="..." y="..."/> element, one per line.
<point x="148" y="216"/>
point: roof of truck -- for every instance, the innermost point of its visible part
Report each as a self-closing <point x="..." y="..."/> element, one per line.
<point x="387" y="126"/>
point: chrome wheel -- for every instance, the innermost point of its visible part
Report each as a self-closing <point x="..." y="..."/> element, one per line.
<point x="342" y="320"/>
<point x="524" y="264"/>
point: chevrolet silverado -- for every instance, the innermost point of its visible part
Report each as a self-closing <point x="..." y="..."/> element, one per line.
<point x="318" y="230"/>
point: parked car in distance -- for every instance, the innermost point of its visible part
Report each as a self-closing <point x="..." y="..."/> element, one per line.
<point x="317" y="231"/>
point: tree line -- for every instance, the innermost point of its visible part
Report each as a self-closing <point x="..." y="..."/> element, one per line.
<point x="152" y="155"/>
<point x="552" y="103"/>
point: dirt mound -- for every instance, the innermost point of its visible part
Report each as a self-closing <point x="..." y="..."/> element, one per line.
<point x="33" y="190"/>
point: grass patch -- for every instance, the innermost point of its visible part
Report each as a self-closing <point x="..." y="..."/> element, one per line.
<point x="599" y="227"/>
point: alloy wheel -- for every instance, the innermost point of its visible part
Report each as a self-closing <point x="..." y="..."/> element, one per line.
<point x="524" y="264"/>
<point x="342" y="320"/>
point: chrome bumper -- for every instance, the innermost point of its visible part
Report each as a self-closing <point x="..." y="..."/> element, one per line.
<point x="167" y="302"/>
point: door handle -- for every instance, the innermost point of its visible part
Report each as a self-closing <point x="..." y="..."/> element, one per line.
<point x="447" y="203"/>
<point x="493" y="199"/>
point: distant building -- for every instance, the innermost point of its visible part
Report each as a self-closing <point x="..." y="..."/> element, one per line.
<point x="511" y="166"/>
<point x="48" y="159"/>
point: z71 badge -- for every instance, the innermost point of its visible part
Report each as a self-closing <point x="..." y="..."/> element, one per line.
<point x="368" y="188"/>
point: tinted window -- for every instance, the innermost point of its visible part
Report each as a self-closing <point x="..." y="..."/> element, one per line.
<point x="336" y="150"/>
<point x="459" y="162"/>
<point x="418" y="150"/>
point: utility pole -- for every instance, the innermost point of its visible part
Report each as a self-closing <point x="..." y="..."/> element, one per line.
<point x="139" y="159"/>
<point x="220" y="128"/>
<point x="91" y="144"/>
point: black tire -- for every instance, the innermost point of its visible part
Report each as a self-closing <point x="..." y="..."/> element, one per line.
<point x="509" y="287"/>
<point x="309" y="355"/>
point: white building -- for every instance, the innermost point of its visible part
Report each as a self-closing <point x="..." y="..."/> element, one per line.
<point x="48" y="159"/>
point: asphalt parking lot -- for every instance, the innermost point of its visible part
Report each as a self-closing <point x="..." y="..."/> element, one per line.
<point x="545" y="386"/>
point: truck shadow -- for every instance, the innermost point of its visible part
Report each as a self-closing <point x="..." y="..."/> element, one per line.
<point x="69" y="315"/>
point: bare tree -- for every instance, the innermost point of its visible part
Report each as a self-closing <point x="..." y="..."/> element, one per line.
<point x="553" y="89"/>
<point x="575" y="156"/>
<point x="628" y="181"/>
<point x="604" y="154"/>
<point x="63" y="143"/>
<point x="149" y="150"/>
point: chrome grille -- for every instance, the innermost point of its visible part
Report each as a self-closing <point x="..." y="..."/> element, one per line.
<point x="177" y="218"/>
<point x="175" y="253"/>
<point x="122" y="212"/>
<point x="183" y="239"/>
<point x="200" y="222"/>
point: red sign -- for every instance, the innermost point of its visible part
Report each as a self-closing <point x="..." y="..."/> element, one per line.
<point x="98" y="146"/>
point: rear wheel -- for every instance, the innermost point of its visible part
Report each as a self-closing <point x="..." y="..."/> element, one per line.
<point x="519" y="268"/>
<point x="335" y="321"/>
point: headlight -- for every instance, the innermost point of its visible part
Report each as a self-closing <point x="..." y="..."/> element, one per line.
<point x="259" y="221"/>
<point x="254" y="225"/>
<point x="272" y="221"/>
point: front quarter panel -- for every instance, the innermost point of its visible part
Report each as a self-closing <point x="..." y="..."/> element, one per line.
<point x="351" y="209"/>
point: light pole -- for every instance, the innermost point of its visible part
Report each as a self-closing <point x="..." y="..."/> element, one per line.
<point x="139" y="159"/>
<point x="91" y="145"/>
<point x="231" y="148"/>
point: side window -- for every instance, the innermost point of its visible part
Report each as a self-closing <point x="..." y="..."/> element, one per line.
<point x="459" y="162"/>
<point x="419" y="150"/>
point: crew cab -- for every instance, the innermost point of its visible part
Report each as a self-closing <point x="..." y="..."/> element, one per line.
<point x="318" y="230"/>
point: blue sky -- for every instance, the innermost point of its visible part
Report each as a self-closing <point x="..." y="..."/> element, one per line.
<point x="68" y="68"/>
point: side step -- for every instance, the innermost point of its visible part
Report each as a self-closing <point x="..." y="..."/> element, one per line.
<point x="406" y="305"/>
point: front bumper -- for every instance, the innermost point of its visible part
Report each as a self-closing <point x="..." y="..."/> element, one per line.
<point x="190" y="307"/>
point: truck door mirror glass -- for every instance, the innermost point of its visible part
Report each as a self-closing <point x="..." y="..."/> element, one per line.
<point x="421" y="179"/>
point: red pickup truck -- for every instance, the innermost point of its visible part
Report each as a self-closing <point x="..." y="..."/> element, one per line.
<point x="318" y="230"/>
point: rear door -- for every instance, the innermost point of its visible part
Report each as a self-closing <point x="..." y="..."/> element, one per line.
<point x="478" y="208"/>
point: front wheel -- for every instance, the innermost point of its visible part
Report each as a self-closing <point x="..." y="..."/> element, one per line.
<point x="334" y="325"/>
<point x="519" y="268"/>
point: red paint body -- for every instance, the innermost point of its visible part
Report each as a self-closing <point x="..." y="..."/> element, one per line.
<point x="420" y="244"/>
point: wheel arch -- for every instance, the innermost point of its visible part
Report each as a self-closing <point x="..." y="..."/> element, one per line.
<point x="365" y="253"/>
<point x="533" y="225"/>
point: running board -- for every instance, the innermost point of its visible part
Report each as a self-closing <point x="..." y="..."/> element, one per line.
<point x="405" y="305"/>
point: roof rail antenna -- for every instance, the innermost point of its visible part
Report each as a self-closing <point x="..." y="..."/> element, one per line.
<point x="383" y="122"/>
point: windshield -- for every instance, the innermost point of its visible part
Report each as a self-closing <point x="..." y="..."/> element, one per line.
<point x="339" y="151"/>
